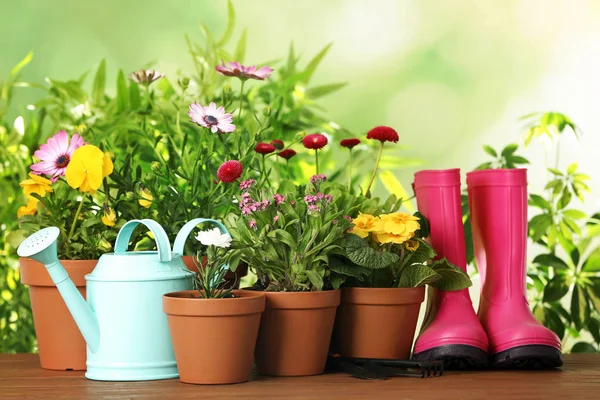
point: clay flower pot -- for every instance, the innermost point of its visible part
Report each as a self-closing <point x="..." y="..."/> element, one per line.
<point x="60" y="343"/>
<point x="295" y="332"/>
<point x="200" y="327"/>
<point x="232" y="279"/>
<point x="378" y="323"/>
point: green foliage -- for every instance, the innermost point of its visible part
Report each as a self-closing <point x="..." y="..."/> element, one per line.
<point x="564" y="275"/>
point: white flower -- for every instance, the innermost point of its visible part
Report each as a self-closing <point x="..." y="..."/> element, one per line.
<point x="211" y="117"/>
<point x="214" y="237"/>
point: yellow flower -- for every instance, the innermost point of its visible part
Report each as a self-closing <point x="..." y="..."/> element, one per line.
<point x="37" y="184"/>
<point x="109" y="217"/>
<point x="29" y="209"/>
<point x="364" y="224"/>
<point x="396" y="228"/>
<point x="146" y="197"/>
<point x="88" y="166"/>
<point x="412" y="245"/>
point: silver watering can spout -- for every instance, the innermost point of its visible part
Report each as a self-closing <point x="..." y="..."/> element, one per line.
<point x="42" y="247"/>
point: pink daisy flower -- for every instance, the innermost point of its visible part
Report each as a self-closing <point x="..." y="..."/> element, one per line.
<point x="56" y="154"/>
<point x="241" y="71"/>
<point x="211" y="117"/>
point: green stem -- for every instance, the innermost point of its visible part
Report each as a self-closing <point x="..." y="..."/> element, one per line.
<point x="287" y="168"/>
<point x="317" y="160"/>
<point x="350" y="172"/>
<point x="74" y="224"/>
<point x="241" y="99"/>
<point x="374" y="171"/>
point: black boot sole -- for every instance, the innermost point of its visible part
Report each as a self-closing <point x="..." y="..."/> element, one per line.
<point x="527" y="357"/>
<point x="456" y="357"/>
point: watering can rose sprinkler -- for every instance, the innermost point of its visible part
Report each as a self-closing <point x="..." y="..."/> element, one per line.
<point x="122" y="322"/>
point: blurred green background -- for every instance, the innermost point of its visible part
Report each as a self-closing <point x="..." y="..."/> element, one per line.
<point x="448" y="75"/>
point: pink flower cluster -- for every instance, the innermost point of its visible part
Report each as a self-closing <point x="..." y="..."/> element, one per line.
<point x="278" y="199"/>
<point x="311" y="199"/>
<point x="249" y="205"/>
<point x="246" y="185"/>
<point x="316" y="179"/>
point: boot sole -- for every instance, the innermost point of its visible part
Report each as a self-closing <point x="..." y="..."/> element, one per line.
<point x="527" y="357"/>
<point x="456" y="356"/>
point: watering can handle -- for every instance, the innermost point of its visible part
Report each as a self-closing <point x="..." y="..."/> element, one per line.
<point x="162" y="240"/>
<point x="185" y="231"/>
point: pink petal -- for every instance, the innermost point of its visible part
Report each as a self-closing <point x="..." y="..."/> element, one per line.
<point x="214" y="129"/>
<point x="211" y="108"/>
<point x="264" y="72"/>
<point x="226" y="127"/>
<point x="49" y="151"/>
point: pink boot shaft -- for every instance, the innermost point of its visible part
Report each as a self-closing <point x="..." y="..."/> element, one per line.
<point x="451" y="323"/>
<point x="498" y="205"/>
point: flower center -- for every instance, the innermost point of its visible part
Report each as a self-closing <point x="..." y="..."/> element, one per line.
<point x="210" y="120"/>
<point x="62" y="161"/>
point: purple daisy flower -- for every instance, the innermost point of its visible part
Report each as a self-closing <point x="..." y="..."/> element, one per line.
<point x="211" y="117"/>
<point x="55" y="155"/>
<point x="243" y="72"/>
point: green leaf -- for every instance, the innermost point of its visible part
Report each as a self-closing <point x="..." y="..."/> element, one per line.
<point x="594" y="329"/>
<point x="583" y="347"/>
<point x="580" y="308"/>
<point x="518" y="160"/>
<point x="418" y="275"/>
<point x="314" y="63"/>
<point x="134" y="95"/>
<point x="572" y="168"/>
<point x="539" y="225"/>
<point x="240" y="50"/>
<point x="346" y="268"/>
<point x="20" y="65"/>
<point x="99" y="84"/>
<point x="555" y="171"/>
<point x="574" y="214"/>
<point x="453" y="278"/>
<point x="490" y="151"/>
<point x="284" y="237"/>
<point x="122" y="92"/>
<point x="423" y="253"/>
<point x="320" y="91"/>
<point x="564" y="200"/>
<point x="552" y="320"/>
<point x="287" y="187"/>
<point x="556" y="289"/>
<point x="359" y="252"/>
<point x="550" y="260"/>
<point x="509" y="150"/>
<point x="539" y="202"/>
<point x="593" y="291"/>
<point x="592" y="263"/>
<point x="230" y="25"/>
<point x="315" y="278"/>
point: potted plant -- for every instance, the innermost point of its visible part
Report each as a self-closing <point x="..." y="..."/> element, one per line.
<point x="286" y="238"/>
<point x="385" y="266"/>
<point x="62" y="191"/>
<point x="201" y="319"/>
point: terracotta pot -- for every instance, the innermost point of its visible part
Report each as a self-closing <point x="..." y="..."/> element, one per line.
<point x="200" y="328"/>
<point x="60" y="343"/>
<point x="378" y="323"/>
<point x="295" y="331"/>
<point x="232" y="279"/>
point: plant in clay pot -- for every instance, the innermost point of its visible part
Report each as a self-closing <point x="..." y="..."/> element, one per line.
<point x="384" y="269"/>
<point x="286" y="238"/>
<point x="200" y="318"/>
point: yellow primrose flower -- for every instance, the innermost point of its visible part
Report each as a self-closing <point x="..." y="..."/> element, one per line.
<point x="396" y="228"/>
<point x="37" y="184"/>
<point x="411" y="245"/>
<point x="29" y="209"/>
<point x="146" y="197"/>
<point x="364" y="224"/>
<point x="88" y="166"/>
<point x="109" y="217"/>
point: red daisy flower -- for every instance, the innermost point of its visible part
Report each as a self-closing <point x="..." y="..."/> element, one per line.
<point x="230" y="171"/>
<point x="278" y="144"/>
<point x="287" y="154"/>
<point x="314" y="141"/>
<point x="264" y="148"/>
<point x="383" y="134"/>
<point x="350" y="143"/>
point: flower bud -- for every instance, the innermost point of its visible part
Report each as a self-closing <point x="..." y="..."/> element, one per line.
<point x="184" y="82"/>
<point x="300" y="135"/>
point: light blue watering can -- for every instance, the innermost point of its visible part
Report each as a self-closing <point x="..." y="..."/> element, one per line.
<point x="122" y="322"/>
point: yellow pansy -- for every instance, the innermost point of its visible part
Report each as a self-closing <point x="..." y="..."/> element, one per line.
<point x="364" y="224"/>
<point x="146" y="197"/>
<point x="37" y="184"/>
<point x="396" y="228"/>
<point x="88" y="166"/>
<point x="411" y="245"/>
<point x="109" y="217"/>
<point x="29" y="209"/>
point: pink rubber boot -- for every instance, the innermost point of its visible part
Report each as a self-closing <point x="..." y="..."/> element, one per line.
<point x="451" y="331"/>
<point x="498" y="204"/>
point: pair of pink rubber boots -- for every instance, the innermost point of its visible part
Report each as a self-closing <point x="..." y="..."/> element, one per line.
<point x="504" y="333"/>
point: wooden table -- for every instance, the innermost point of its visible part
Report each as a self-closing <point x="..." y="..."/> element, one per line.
<point x="22" y="378"/>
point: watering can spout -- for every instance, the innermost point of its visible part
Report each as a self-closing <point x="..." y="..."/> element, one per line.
<point x="42" y="247"/>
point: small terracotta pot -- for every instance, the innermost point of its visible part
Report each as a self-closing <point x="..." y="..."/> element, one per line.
<point x="214" y="339"/>
<point x="232" y="279"/>
<point x="295" y="332"/>
<point x="378" y="323"/>
<point x="60" y="343"/>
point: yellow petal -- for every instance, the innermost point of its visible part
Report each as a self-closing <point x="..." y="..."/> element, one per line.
<point x="107" y="166"/>
<point x="40" y="179"/>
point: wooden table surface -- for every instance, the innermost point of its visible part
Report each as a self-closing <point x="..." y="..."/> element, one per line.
<point x="22" y="378"/>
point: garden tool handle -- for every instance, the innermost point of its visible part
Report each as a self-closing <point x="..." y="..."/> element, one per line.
<point x="187" y="229"/>
<point x="160" y="236"/>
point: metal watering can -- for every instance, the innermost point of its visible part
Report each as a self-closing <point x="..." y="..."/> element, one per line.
<point x="122" y="322"/>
